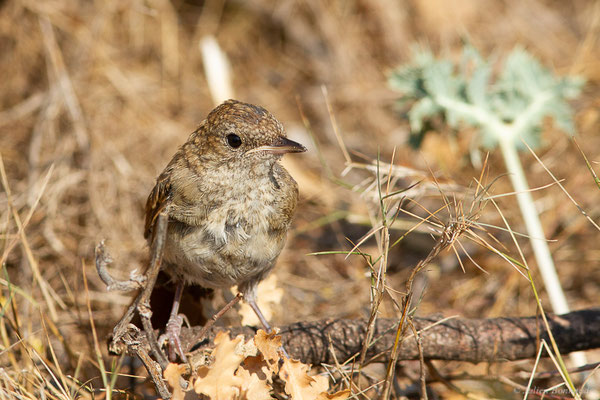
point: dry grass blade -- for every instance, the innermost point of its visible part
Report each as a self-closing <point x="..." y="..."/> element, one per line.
<point x="558" y="182"/>
<point x="64" y="81"/>
<point x="587" y="163"/>
<point x="44" y="287"/>
<point x="97" y="350"/>
<point x="560" y="365"/>
<point x="59" y="371"/>
<point x="334" y="125"/>
<point x="45" y="181"/>
<point x="23" y="109"/>
<point x="535" y="189"/>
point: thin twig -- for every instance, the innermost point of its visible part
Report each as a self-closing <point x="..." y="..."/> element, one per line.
<point x="135" y="282"/>
<point x="154" y="370"/>
<point x="218" y="315"/>
<point x="422" y="370"/>
<point x="125" y="335"/>
<point x="143" y="307"/>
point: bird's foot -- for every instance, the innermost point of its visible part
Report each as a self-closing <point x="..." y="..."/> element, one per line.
<point x="171" y="336"/>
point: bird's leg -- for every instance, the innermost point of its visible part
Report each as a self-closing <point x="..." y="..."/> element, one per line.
<point x="252" y="303"/>
<point x="174" y="324"/>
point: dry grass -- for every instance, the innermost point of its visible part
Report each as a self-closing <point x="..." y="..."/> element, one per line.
<point x="96" y="97"/>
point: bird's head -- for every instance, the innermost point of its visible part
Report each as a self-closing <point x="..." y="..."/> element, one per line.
<point x="241" y="131"/>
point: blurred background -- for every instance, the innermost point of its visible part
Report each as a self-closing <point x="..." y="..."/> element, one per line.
<point x="96" y="96"/>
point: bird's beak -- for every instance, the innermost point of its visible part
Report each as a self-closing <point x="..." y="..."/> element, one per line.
<point x="281" y="146"/>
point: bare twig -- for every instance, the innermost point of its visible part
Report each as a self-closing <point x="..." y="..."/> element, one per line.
<point x="218" y="315"/>
<point x="422" y="370"/>
<point x="154" y="370"/>
<point x="102" y="260"/>
<point x="126" y="336"/>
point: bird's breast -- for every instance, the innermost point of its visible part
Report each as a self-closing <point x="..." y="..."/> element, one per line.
<point x="239" y="237"/>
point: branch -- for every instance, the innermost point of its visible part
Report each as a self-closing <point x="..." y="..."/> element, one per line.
<point x="457" y="339"/>
<point x="126" y="337"/>
<point x="135" y="281"/>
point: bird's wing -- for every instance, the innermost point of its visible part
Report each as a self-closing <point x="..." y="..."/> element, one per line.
<point x="157" y="201"/>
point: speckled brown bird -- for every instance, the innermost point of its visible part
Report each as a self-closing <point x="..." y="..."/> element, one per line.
<point x="230" y="204"/>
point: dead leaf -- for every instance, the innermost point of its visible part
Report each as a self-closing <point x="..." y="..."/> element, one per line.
<point x="269" y="346"/>
<point x="341" y="395"/>
<point x="254" y="386"/>
<point x="172" y="375"/>
<point x="218" y="381"/>
<point x="257" y="365"/>
<point x="246" y="349"/>
<point x="298" y="384"/>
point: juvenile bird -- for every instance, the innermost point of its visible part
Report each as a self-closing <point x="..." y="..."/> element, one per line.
<point x="229" y="202"/>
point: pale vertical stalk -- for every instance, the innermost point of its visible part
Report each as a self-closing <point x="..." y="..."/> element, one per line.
<point x="556" y="295"/>
<point x="534" y="226"/>
<point x="217" y="70"/>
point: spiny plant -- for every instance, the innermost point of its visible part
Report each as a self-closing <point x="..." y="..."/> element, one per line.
<point x="507" y="109"/>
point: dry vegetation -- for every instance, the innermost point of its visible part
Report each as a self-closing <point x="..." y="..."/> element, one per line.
<point x="96" y="97"/>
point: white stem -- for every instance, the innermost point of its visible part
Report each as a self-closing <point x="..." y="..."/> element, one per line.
<point x="533" y="225"/>
<point x="558" y="301"/>
<point x="217" y="70"/>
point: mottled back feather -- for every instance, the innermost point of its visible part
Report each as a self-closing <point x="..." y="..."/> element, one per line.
<point x="157" y="201"/>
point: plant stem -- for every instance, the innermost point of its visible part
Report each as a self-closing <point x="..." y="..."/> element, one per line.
<point x="556" y="295"/>
<point x="534" y="227"/>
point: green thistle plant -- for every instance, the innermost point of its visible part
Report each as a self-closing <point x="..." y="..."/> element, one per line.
<point x="507" y="111"/>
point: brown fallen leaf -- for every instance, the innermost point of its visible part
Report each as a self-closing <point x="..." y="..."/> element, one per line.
<point x="269" y="346"/>
<point x="254" y="386"/>
<point x="298" y="384"/>
<point x="244" y="371"/>
<point x="341" y="395"/>
<point x="172" y="375"/>
<point x="257" y="365"/>
<point x="218" y="381"/>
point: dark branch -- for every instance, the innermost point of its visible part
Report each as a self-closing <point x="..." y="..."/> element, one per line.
<point x="457" y="339"/>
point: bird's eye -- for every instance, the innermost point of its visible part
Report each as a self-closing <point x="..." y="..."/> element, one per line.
<point x="234" y="140"/>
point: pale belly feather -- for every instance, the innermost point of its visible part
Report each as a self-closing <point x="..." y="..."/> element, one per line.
<point x="232" y="246"/>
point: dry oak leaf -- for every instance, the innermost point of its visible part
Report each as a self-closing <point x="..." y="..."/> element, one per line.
<point x="172" y="375"/>
<point x="298" y="384"/>
<point x="269" y="346"/>
<point x="218" y="381"/>
<point x="258" y="366"/>
<point x="254" y="386"/>
<point x="341" y="395"/>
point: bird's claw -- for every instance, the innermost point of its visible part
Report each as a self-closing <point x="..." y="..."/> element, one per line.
<point x="171" y="336"/>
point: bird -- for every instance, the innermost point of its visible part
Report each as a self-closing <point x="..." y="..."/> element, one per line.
<point x="229" y="204"/>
